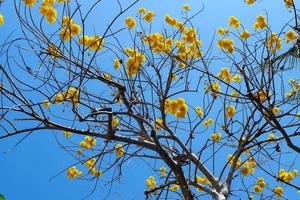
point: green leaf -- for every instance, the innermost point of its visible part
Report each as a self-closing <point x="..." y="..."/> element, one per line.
<point x="2" y="197"/>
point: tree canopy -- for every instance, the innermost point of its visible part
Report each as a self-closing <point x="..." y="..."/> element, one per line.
<point x="212" y="116"/>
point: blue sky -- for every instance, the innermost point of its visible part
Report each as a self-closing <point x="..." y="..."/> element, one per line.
<point x="32" y="169"/>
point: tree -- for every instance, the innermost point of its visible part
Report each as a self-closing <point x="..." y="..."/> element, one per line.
<point x="133" y="102"/>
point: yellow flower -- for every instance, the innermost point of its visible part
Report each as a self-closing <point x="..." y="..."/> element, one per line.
<point x="65" y="34"/>
<point x="134" y="62"/>
<point x="289" y="3"/>
<point x="208" y="122"/>
<point x="115" y="122"/>
<point x="130" y="22"/>
<point x="222" y="31"/>
<point x="249" y="2"/>
<point x="245" y="35"/>
<point x="48" y="2"/>
<point x="276" y="110"/>
<point x="142" y="10"/>
<point x="230" y="111"/>
<point x="271" y="136"/>
<point x="90" y="163"/>
<point x="216" y="137"/>
<point x="149" y="16"/>
<point x="234" y="22"/>
<point x="257" y="189"/>
<point x="30" y="2"/>
<point x="151" y="183"/>
<point x="214" y="88"/>
<point x="59" y="98"/>
<point x="67" y="134"/>
<point x="66" y="21"/>
<point x="158" y="124"/>
<point x="72" y="172"/>
<point x="46" y="103"/>
<point x="199" y="111"/>
<point x="260" y="22"/>
<point x="163" y="171"/>
<point x="278" y="191"/>
<point x="274" y="42"/>
<point x="75" y="29"/>
<point x="1" y="19"/>
<point x="226" y="44"/>
<point x="290" y="36"/>
<point x="88" y="142"/>
<point x="234" y="94"/>
<point x="117" y="64"/>
<point x="171" y="21"/>
<point x="174" y="187"/>
<point x="119" y="150"/>
<point x="186" y="7"/>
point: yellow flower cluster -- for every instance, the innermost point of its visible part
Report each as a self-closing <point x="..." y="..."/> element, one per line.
<point x="199" y="111"/>
<point x="227" y="77"/>
<point x="163" y="171"/>
<point x="88" y="142"/>
<point x="208" y="122"/>
<point x="115" y="122"/>
<point x="231" y="158"/>
<point x="1" y="19"/>
<point x="149" y="16"/>
<point x="290" y="36"/>
<point x="176" y="107"/>
<point x="249" y="2"/>
<point x="245" y="35"/>
<point x="234" y="22"/>
<point x="274" y="42"/>
<point x="130" y="22"/>
<point x="186" y="7"/>
<point x="248" y="167"/>
<point x="226" y="44"/>
<point x="117" y="63"/>
<point x="158" y="44"/>
<point x="73" y="172"/>
<point x="287" y="176"/>
<point x="214" y="88"/>
<point x="91" y="165"/>
<point x="94" y="43"/>
<point x="49" y="12"/>
<point x="260" y="22"/>
<point x="289" y="3"/>
<point x="158" y="124"/>
<point x="230" y="111"/>
<point x="119" y="150"/>
<point x="46" y="103"/>
<point x="171" y="21"/>
<point x="295" y="88"/>
<point x="261" y="95"/>
<point x="222" y="31"/>
<point x="216" y="137"/>
<point x="276" y="110"/>
<point x="278" y="191"/>
<point x="271" y="136"/>
<point x="151" y="183"/>
<point x="30" y="2"/>
<point x="201" y="180"/>
<point x="142" y="10"/>
<point x="260" y="185"/>
<point x="67" y="134"/>
<point x="72" y="94"/>
<point x="174" y="187"/>
<point x="134" y="61"/>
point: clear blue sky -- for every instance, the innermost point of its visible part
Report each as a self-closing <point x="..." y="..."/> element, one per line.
<point x="27" y="171"/>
